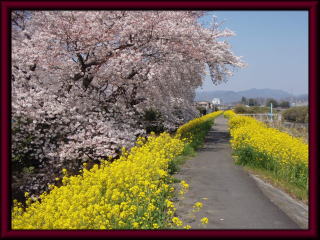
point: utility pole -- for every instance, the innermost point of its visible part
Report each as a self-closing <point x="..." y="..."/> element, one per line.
<point x="271" y="111"/>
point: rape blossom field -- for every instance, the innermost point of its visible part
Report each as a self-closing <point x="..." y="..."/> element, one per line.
<point x="104" y="114"/>
<point x="260" y="146"/>
<point x="133" y="192"/>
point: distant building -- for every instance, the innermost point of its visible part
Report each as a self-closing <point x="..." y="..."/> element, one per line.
<point x="209" y="106"/>
<point x="204" y="104"/>
<point x="216" y="101"/>
<point x="299" y="103"/>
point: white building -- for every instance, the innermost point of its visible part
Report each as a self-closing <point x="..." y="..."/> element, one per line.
<point x="204" y="104"/>
<point x="216" y="101"/>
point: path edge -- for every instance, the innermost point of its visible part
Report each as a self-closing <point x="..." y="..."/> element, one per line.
<point x="296" y="210"/>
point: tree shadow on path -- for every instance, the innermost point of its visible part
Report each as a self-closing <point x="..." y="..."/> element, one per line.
<point x="214" y="138"/>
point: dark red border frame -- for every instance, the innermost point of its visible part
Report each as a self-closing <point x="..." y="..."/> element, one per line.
<point x="6" y="6"/>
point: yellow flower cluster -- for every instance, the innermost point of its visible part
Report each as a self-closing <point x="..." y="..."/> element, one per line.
<point x="187" y="128"/>
<point x="184" y="187"/>
<point x="132" y="192"/>
<point x="229" y="113"/>
<point x="204" y="220"/>
<point x="197" y="206"/>
<point x="269" y="148"/>
<point x="177" y="221"/>
<point x="129" y="193"/>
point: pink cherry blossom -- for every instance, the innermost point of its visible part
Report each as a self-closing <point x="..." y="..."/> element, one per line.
<point x="82" y="80"/>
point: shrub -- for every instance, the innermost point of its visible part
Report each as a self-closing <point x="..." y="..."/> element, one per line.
<point x="240" y="109"/>
<point x="257" y="109"/>
<point x="153" y="121"/>
<point x="296" y="114"/>
<point x="151" y="115"/>
<point x="273" y="101"/>
<point x="202" y="110"/>
<point x="284" y="104"/>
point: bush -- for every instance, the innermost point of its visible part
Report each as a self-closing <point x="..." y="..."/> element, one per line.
<point x="151" y="115"/>
<point x="273" y="101"/>
<point x="296" y="114"/>
<point x="153" y="121"/>
<point x="240" y="109"/>
<point x="32" y="166"/>
<point x="202" y="110"/>
<point x="284" y="104"/>
<point x="23" y="147"/>
<point x="257" y="109"/>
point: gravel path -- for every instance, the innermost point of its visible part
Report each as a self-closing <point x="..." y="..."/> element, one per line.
<point x="231" y="198"/>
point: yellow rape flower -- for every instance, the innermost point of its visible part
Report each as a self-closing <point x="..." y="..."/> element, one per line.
<point x="204" y="220"/>
<point x="155" y="226"/>
<point x="187" y="227"/>
<point x="197" y="206"/>
<point x="126" y="193"/>
<point x="177" y="221"/>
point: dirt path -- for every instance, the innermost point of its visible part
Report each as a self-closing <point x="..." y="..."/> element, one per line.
<point x="231" y="198"/>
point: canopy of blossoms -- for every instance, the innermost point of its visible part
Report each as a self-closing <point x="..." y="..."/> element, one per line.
<point x="83" y="80"/>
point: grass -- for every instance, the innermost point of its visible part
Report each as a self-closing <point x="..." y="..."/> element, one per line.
<point x="296" y="192"/>
<point x="175" y="164"/>
<point x="198" y="134"/>
<point x="190" y="150"/>
<point x="293" y="174"/>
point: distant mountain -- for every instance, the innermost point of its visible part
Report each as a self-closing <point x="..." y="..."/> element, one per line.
<point x="265" y="93"/>
<point x="225" y="96"/>
<point x="235" y="96"/>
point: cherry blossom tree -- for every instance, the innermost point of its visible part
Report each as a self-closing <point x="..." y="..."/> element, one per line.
<point x="82" y="80"/>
